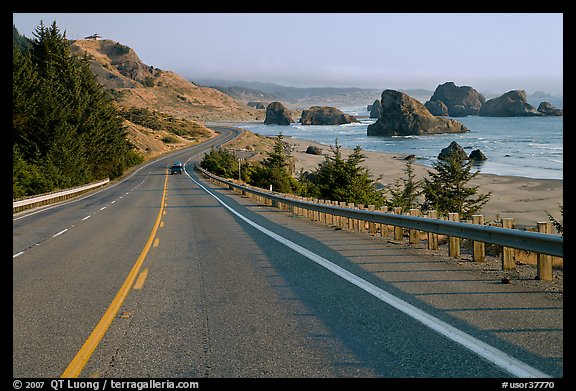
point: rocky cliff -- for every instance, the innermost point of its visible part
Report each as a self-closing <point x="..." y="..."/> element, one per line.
<point x="175" y="105"/>
<point x="135" y="84"/>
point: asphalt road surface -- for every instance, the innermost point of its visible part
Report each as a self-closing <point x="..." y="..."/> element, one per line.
<point x="172" y="276"/>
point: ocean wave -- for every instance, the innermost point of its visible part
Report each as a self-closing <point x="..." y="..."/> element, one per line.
<point x="547" y="146"/>
<point x="406" y="137"/>
<point x="352" y="124"/>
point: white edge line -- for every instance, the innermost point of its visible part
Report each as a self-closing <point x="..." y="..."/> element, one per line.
<point x="488" y="352"/>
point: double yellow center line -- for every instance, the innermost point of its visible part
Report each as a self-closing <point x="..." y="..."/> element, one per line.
<point x="79" y="361"/>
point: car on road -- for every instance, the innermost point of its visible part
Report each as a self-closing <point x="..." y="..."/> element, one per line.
<point x="177" y="168"/>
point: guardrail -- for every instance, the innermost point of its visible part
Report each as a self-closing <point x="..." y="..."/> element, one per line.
<point x="20" y="205"/>
<point x="543" y="243"/>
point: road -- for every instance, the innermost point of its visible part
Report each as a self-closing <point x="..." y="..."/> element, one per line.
<point x="162" y="276"/>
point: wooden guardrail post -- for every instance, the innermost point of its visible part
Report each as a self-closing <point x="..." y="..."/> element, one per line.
<point x="334" y="217"/>
<point x="291" y="207"/>
<point x="294" y="208"/>
<point x="343" y="220"/>
<point x="413" y="234"/>
<point x="315" y="216"/>
<point x="361" y="223"/>
<point x="432" y="236"/>
<point x="508" y="262"/>
<point x="398" y="231"/>
<point x="384" y="227"/>
<point x="453" y="242"/>
<point x="543" y="261"/>
<point x="351" y="224"/>
<point x="371" y="225"/>
<point x="478" y="251"/>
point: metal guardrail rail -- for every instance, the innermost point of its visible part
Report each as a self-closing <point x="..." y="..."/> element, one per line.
<point x="27" y="203"/>
<point x="512" y="238"/>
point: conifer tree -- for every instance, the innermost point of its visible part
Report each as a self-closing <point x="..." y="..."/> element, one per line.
<point x="346" y="180"/>
<point x="220" y="162"/>
<point x="406" y="190"/>
<point x="446" y="190"/>
<point x="25" y="89"/>
<point x="275" y="169"/>
<point x="64" y="123"/>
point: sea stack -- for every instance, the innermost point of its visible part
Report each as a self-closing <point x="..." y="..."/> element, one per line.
<point x="511" y="104"/>
<point x="459" y="101"/>
<point x="403" y="115"/>
<point x="325" y="115"/>
<point x="277" y="114"/>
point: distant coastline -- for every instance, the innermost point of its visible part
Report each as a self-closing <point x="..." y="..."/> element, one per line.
<point x="304" y="97"/>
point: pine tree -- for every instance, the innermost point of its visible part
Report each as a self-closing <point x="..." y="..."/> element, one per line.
<point x="64" y="123"/>
<point x="275" y="169"/>
<point x="220" y="162"/>
<point x="446" y="190"/>
<point x="346" y="180"/>
<point x="331" y="175"/>
<point x="406" y="190"/>
<point x="559" y="226"/>
<point x="20" y="42"/>
<point x="25" y="89"/>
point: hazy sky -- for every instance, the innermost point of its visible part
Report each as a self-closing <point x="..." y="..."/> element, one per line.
<point x="492" y="52"/>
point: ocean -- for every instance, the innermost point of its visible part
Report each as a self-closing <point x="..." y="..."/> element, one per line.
<point x="529" y="147"/>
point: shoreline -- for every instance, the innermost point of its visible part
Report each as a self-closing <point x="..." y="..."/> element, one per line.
<point x="527" y="200"/>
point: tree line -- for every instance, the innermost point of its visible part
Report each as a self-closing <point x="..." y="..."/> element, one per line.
<point x="66" y="131"/>
<point x="445" y="190"/>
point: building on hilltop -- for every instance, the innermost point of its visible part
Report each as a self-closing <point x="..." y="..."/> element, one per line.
<point x="93" y="36"/>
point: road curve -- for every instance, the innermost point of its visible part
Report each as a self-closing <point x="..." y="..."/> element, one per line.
<point x="227" y="288"/>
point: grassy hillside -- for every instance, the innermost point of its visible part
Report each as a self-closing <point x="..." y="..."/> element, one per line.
<point x="178" y="106"/>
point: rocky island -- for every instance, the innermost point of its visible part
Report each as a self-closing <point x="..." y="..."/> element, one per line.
<point x="325" y="115"/>
<point x="403" y="115"/>
<point x="511" y="104"/>
<point x="451" y="100"/>
<point x="277" y="114"/>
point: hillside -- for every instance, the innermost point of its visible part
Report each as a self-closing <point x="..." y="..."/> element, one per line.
<point x="304" y="97"/>
<point x="294" y="97"/>
<point x="165" y="94"/>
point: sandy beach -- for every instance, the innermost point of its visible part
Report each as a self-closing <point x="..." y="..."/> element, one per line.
<point x="527" y="200"/>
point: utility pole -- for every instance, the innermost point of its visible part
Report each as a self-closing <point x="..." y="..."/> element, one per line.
<point x="239" y="172"/>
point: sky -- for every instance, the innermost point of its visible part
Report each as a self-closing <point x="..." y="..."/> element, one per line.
<point x="491" y="52"/>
